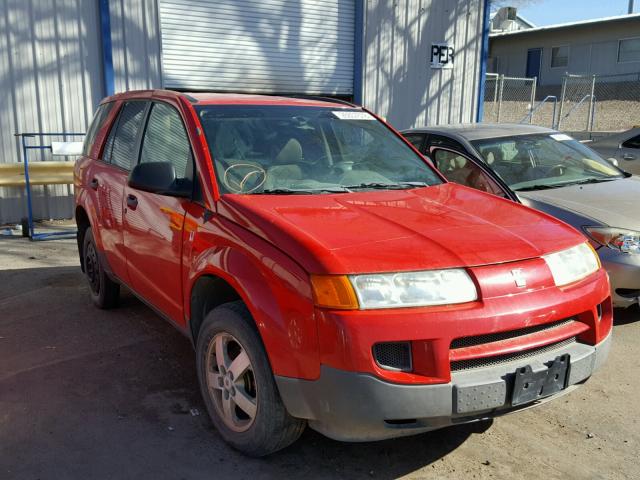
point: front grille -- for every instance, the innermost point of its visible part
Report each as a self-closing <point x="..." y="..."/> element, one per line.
<point x="464" y="342"/>
<point x="508" y="357"/>
<point x="393" y="355"/>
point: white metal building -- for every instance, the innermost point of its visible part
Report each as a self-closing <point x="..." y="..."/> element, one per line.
<point x="58" y="58"/>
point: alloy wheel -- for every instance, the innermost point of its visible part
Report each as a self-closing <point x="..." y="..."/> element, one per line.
<point x="231" y="382"/>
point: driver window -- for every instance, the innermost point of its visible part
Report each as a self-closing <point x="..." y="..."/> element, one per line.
<point x="165" y="140"/>
<point x="459" y="169"/>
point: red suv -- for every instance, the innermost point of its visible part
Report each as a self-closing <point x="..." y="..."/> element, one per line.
<point x="326" y="273"/>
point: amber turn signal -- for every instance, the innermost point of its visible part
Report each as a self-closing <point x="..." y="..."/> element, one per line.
<point x="334" y="291"/>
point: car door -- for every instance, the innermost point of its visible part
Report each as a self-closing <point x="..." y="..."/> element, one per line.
<point x="153" y="223"/>
<point x="629" y="155"/>
<point x="416" y="139"/>
<point x="107" y="179"/>
<point x="443" y="141"/>
<point x="462" y="169"/>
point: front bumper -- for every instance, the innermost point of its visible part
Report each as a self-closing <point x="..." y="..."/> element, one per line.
<point x="352" y="406"/>
<point x="624" y="275"/>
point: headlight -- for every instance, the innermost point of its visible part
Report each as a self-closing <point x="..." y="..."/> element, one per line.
<point x="414" y="289"/>
<point x="572" y="264"/>
<point x="626" y="241"/>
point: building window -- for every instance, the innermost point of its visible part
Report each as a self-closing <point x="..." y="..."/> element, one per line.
<point x="560" y="56"/>
<point x="629" y="50"/>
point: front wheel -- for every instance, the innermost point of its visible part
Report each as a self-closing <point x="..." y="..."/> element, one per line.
<point x="238" y="386"/>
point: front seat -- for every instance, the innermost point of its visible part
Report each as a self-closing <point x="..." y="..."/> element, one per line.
<point x="286" y="166"/>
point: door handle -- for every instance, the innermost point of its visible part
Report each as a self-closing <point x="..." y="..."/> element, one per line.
<point x="628" y="156"/>
<point x="94" y="183"/>
<point x="132" y="201"/>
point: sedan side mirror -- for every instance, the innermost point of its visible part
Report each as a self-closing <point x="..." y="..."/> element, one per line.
<point x="613" y="161"/>
<point x="159" y="178"/>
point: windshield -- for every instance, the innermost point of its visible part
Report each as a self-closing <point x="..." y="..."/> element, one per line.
<point x="291" y="149"/>
<point x="535" y="162"/>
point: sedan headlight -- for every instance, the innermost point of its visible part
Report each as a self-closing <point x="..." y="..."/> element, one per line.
<point x="573" y="264"/>
<point x="626" y="241"/>
<point x="414" y="289"/>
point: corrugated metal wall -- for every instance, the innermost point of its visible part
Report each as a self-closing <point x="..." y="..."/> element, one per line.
<point x="51" y="77"/>
<point x="398" y="82"/>
<point x="48" y="84"/>
<point x="135" y="42"/>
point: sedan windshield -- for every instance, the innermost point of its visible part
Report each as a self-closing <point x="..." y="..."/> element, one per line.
<point x="536" y="162"/>
<point x="307" y="150"/>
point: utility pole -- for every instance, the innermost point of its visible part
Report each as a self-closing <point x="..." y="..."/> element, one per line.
<point x="630" y="7"/>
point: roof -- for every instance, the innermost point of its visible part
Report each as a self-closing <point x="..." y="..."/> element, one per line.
<point x="519" y="17"/>
<point x="212" y="98"/>
<point x="618" y="18"/>
<point x="478" y="131"/>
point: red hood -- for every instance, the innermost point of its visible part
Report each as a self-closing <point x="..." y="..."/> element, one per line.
<point x="384" y="231"/>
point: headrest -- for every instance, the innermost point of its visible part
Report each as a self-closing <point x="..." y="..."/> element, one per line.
<point x="291" y="153"/>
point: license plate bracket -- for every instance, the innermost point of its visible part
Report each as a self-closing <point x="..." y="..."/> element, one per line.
<point x="529" y="386"/>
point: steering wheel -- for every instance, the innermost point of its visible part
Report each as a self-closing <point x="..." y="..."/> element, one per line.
<point x="244" y="177"/>
<point x="556" y="170"/>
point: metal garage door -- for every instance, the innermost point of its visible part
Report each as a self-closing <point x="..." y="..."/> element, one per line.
<point x="285" y="46"/>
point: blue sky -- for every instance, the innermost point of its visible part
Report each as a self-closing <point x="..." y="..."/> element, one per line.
<point x="548" y="12"/>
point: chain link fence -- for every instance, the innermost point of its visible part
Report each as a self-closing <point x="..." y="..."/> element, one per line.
<point x="583" y="103"/>
<point x="507" y="99"/>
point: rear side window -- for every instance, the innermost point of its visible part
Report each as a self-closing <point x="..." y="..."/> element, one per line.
<point x="440" y="141"/>
<point x="96" y="124"/>
<point x="165" y="140"/>
<point x="121" y="144"/>
<point x="632" y="143"/>
<point x="415" y="139"/>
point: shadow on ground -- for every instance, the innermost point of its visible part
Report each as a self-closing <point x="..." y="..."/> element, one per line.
<point x="96" y="394"/>
<point x="627" y="315"/>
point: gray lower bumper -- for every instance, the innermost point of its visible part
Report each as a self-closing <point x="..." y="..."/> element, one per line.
<point x="350" y="406"/>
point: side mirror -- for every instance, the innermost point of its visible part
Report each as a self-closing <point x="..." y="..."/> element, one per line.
<point x="613" y="161"/>
<point x="160" y="178"/>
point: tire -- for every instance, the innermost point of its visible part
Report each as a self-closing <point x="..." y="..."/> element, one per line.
<point x="267" y="427"/>
<point x="105" y="293"/>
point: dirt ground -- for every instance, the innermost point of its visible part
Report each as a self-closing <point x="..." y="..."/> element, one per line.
<point x="89" y="394"/>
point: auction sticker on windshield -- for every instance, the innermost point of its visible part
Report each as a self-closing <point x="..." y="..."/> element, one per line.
<point x="346" y="115"/>
<point x="561" y="137"/>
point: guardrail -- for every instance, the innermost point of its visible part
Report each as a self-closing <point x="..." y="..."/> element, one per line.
<point x="40" y="173"/>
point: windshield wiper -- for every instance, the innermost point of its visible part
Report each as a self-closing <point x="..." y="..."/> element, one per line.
<point x="387" y="186"/>
<point x="564" y="184"/>
<point x="591" y="180"/>
<point x="301" y="191"/>
<point x="539" y="187"/>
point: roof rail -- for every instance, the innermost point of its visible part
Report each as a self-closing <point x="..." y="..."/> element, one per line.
<point x="319" y="97"/>
<point x="185" y="91"/>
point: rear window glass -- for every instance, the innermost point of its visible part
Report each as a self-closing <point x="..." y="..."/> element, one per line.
<point x="96" y="124"/>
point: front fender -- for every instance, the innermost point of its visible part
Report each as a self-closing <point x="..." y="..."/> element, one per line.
<point x="275" y="289"/>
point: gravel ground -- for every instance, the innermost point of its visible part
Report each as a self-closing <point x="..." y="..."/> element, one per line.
<point x="101" y="395"/>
